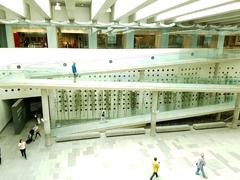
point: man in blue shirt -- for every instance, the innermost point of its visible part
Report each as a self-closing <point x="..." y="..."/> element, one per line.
<point x="74" y="71"/>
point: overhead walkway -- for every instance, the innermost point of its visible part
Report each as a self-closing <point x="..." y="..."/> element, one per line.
<point x="142" y="120"/>
<point x="121" y="67"/>
<point x="106" y="85"/>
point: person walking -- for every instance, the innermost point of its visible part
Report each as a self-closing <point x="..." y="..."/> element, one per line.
<point x="155" y="166"/>
<point x="102" y="116"/>
<point x="201" y="162"/>
<point x="36" y="131"/>
<point x="22" y="147"/>
<point x="74" y="71"/>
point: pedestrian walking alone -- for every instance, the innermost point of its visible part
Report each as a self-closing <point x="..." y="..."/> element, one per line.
<point x="155" y="166"/>
<point x="74" y="71"/>
<point x="22" y="147"/>
<point x="201" y="162"/>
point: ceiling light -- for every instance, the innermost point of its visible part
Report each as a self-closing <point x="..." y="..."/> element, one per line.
<point x="58" y="7"/>
<point x="209" y="12"/>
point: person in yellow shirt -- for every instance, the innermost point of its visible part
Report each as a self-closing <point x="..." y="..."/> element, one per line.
<point x="155" y="165"/>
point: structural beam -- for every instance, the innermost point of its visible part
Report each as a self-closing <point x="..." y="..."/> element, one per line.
<point x="218" y="17"/>
<point x="99" y="7"/>
<point x="231" y="21"/>
<point x="131" y="86"/>
<point x="209" y="12"/>
<point x="17" y="7"/>
<point x="44" y="7"/>
<point x="70" y="6"/>
<point x="156" y="8"/>
<point x="190" y="8"/>
<point x="124" y="8"/>
<point x="225" y="20"/>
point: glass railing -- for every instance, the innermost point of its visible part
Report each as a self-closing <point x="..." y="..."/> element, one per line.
<point x="60" y="70"/>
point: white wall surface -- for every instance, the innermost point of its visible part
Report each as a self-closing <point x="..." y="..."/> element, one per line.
<point x="5" y="113"/>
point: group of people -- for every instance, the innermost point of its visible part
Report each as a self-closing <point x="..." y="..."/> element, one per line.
<point x="200" y="164"/>
<point x="33" y="133"/>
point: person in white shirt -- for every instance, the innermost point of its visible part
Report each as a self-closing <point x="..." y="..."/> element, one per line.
<point x="22" y="147"/>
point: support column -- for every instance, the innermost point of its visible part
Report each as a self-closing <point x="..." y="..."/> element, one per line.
<point x="218" y="117"/>
<point x="157" y="40"/>
<point x="164" y="38"/>
<point x="128" y="41"/>
<point x="220" y="43"/>
<point x="92" y="38"/>
<point x="236" y="112"/>
<point x="52" y="37"/>
<point x="207" y="40"/>
<point x="10" y="38"/>
<point x="45" y="111"/>
<point x="3" y="37"/>
<point x="194" y="40"/>
<point x="141" y="93"/>
<point x="154" y="113"/>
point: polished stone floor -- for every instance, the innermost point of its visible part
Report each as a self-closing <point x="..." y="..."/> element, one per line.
<point x="123" y="158"/>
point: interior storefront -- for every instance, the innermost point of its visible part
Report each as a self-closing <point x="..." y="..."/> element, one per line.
<point x="72" y="38"/>
<point x="30" y="37"/>
<point x="144" y="39"/>
<point x="109" y="41"/>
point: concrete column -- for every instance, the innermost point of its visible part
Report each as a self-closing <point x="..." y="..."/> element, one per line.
<point x="10" y="38"/>
<point x="3" y="37"/>
<point x="128" y="40"/>
<point x="92" y="38"/>
<point x="154" y="113"/>
<point x="194" y="40"/>
<point x="220" y="43"/>
<point x="158" y="40"/>
<point x="207" y="40"/>
<point x="164" y="38"/>
<point x="141" y="93"/>
<point x="236" y="112"/>
<point x="52" y="37"/>
<point x="218" y="117"/>
<point x="45" y="110"/>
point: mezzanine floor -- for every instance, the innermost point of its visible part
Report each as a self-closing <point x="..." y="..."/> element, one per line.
<point x="123" y="158"/>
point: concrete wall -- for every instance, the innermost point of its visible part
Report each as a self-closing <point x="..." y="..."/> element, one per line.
<point x="5" y="113"/>
<point x="19" y="114"/>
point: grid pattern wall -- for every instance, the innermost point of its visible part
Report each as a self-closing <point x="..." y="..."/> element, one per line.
<point x="88" y="104"/>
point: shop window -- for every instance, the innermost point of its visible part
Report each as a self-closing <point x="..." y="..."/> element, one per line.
<point x="109" y="41"/>
<point x="72" y="40"/>
<point x="30" y="39"/>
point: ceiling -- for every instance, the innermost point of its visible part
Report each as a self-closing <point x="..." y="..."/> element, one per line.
<point x="127" y="14"/>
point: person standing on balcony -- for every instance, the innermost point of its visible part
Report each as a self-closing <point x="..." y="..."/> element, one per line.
<point x="74" y="71"/>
